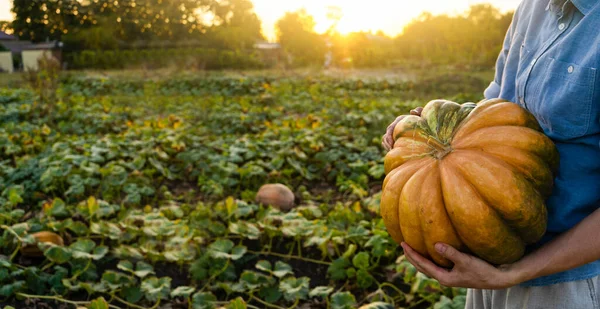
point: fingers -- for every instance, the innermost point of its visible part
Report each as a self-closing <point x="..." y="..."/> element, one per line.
<point x="388" y="138"/>
<point x="457" y="257"/>
<point x="417" y="111"/>
<point x="385" y="143"/>
<point x="390" y="128"/>
<point x="427" y="267"/>
<point x="410" y="257"/>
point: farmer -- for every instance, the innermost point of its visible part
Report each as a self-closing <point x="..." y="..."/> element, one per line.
<point x="549" y="65"/>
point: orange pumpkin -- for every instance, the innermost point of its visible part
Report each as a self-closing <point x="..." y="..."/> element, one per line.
<point x="43" y="236"/>
<point x="276" y="195"/>
<point x="474" y="176"/>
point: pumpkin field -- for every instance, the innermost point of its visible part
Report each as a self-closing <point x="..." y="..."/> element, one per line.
<point x="150" y="183"/>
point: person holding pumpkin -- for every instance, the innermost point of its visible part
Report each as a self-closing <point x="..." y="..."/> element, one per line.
<point x="548" y="65"/>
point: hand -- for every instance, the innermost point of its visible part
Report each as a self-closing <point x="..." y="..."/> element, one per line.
<point x="468" y="271"/>
<point x="388" y="138"/>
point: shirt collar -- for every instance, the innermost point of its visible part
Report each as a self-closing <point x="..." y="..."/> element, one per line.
<point x="584" y="6"/>
<point x="557" y="6"/>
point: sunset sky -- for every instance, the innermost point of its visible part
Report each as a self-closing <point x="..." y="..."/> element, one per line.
<point x="387" y="15"/>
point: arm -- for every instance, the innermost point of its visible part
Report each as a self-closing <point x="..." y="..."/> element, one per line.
<point x="387" y="141"/>
<point x="578" y="246"/>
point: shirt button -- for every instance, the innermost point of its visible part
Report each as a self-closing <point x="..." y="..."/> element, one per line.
<point x="570" y="69"/>
<point x="561" y="26"/>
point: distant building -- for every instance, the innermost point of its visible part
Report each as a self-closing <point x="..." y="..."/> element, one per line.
<point x="6" y="58"/>
<point x="270" y="53"/>
<point x="6" y="37"/>
<point x="25" y="54"/>
<point x="33" y="52"/>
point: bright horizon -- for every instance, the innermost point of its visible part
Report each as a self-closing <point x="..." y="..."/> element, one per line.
<point x="390" y="16"/>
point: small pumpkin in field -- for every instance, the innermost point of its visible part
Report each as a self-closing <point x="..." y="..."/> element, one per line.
<point x="44" y="236"/>
<point x="474" y="176"/>
<point x="276" y="195"/>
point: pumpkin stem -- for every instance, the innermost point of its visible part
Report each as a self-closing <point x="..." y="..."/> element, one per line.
<point x="441" y="153"/>
<point x="440" y="149"/>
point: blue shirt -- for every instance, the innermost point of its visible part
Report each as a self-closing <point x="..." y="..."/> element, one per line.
<point x="549" y="65"/>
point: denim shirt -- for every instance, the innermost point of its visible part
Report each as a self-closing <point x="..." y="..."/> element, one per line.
<point x="549" y="65"/>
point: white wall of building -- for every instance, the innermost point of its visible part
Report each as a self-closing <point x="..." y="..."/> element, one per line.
<point x="31" y="57"/>
<point x="6" y="62"/>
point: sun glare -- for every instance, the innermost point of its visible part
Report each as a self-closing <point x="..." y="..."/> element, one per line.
<point x="389" y="16"/>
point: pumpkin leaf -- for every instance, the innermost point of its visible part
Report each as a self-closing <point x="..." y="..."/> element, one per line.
<point x="282" y="269"/>
<point x="294" y="288"/>
<point x="132" y="293"/>
<point x="364" y="279"/>
<point x="237" y="303"/>
<point x="203" y="300"/>
<point x="270" y="294"/>
<point x="58" y="254"/>
<point x="361" y="260"/>
<point x="343" y="300"/>
<point x="143" y="269"/>
<point x="377" y="305"/>
<point x="98" y="303"/>
<point x="183" y="291"/>
<point x="321" y="291"/>
<point x="337" y="269"/>
<point x="221" y="248"/>
<point x="126" y="266"/>
<point x="156" y="288"/>
<point x="264" y="265"/>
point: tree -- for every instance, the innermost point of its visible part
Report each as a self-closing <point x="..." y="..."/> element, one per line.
<point x="6" y="26"/>
<point x="132" y="20"/>
<point x="472" y="38"/>
<point x="235" y="25"/>
<point x="39" y="20"/>
<point x="298" y="38"/>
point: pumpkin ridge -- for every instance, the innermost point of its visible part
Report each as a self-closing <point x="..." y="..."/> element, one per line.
<point x="527" y="227"/>
<point x="540" y="176"/>
<point x="408" y="210"/>
<point x="486" y="201"/>
<point x="514" y="136"/>
<point x="497" y="114"/>
<point x="434" y="219"/>
<point x="390" y="197"/>
<point x="497" y="243"/>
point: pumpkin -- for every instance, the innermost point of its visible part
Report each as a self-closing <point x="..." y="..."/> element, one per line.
<point x="44" y="236"/>
<point x="474" y="176"/>
<point x="276" y="195"/>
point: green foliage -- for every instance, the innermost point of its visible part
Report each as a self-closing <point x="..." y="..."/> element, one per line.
<point x="184" y="58"/>
<point x="107" y="34"/>
<point x="132" y="20"/>
<point x="151" y="184"/>
<point x="470" y="39"/>
<point x="298" y="38"/>
<point x="377" y="305"/>
<point x="343" y="300"/>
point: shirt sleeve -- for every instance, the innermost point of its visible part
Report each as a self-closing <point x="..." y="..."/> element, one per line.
<point x="493" y="90"/>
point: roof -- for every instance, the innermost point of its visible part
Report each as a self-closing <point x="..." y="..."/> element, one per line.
<point x="267" y="45"/>
<point x="46" y="45"/>
<point x="19" y="46"/>
<point x="15" y="46"/>
<point x="5" y="36"/>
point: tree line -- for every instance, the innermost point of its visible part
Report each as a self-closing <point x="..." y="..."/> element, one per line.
<point x="471" y="38"/>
